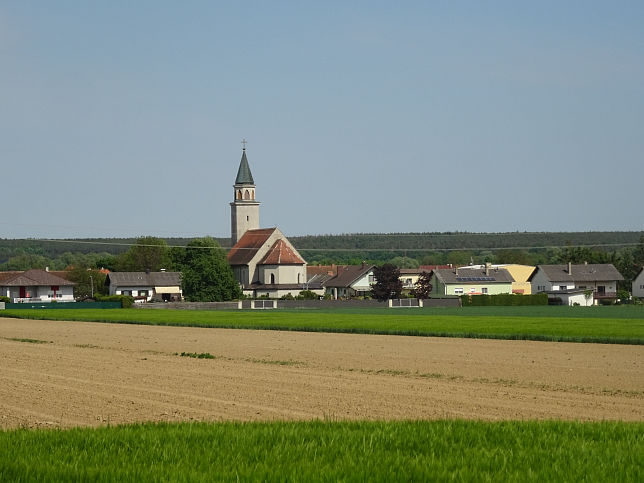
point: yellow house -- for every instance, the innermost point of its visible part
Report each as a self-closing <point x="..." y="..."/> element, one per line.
<point x="520" y="274"/>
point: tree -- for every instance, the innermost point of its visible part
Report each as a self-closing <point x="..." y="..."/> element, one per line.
<point x="148" y="253"/>
<point x="206" y="275"/>
<point x="519" y="257"/>
<point x="459" y="257"/>
<point x="388" y="284"/>
<point x="405" y="262"/>
<point x="88" y="282"/>
<point x="423" y="286"/>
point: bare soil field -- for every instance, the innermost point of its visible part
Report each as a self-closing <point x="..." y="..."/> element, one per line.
<point x="65" y="374"/>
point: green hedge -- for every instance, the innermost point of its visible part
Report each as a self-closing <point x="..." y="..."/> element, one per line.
<point x="126" y="300"/>
<point x="504" y="299"/>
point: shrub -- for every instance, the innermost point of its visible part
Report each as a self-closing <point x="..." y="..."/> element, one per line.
<point x="504" y="299"/>
<point x="307" y="295"/>
<point x="126" y="300"/>
<point x="4" y="299"/>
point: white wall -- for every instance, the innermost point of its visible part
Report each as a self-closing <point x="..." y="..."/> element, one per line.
<point x="135" y="291"/>
<point x="65" y="293"/>
<point x="638" y="285"/>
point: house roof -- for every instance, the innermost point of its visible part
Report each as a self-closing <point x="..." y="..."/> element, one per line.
<point x="592" y="272"/>
<point x="283" y="286"/>
<point x="473" y="275"/>
<point x="147" y="279"/>
<point x="32" y="277"/>
<point x="348" y="274"/>
<point x="281" y="254"/>
<point x="413" y="271"/>
<point x="244" y="176"/>
<point x="248" y="245"/>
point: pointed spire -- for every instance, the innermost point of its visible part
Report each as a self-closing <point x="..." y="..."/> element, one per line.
<point x="244" y="176"/>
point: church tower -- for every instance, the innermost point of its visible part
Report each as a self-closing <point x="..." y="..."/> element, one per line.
<point x="244" y="210"/>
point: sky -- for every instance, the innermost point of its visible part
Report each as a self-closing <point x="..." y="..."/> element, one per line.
<point x="125" y="118"/>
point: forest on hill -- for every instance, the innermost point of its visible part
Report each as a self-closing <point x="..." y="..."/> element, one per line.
<point x="625" y="249"/>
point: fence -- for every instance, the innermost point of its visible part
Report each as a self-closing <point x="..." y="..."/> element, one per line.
<point x="300" y="304"/>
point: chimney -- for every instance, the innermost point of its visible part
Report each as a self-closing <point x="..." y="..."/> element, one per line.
<point x="569" y="268"/>
<point x="487" y="268"/>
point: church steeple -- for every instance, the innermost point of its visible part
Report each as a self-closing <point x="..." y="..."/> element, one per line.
<point x="244" y="176"/>
<point x="244" y="209"/>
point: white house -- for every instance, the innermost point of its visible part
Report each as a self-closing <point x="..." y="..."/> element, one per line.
<point x="146" y="286"/>
<point x="638" y="285"/>
<point x="556" y="280"/>
<point x="350" y="281"/>
<point x="35" y="286"/>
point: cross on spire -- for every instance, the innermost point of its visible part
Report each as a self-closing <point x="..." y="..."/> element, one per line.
<point x="244" y="144"/>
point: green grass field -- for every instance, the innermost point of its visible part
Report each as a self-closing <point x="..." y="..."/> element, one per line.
<point x="329" y="451"/>
<point x="619" y="324"/>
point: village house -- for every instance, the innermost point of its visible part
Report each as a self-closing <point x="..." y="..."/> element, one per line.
<point x="637" y="290"/>
<point x="471" y="281"/>
<point x="146" y="286"/>
<point x="597" y="282"/>
<point x="520" y="274"/>
<point x="35" y="286"/>
<point x="350" y="281"/>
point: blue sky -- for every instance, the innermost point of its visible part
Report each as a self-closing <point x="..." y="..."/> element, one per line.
<point x="126" y="118"/>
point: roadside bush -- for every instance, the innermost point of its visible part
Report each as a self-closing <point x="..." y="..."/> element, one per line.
<point x="504" y="299"/>
<point x="126" y="300"/>
<point x="4" y="299"/>
<point x="307" y="295"/>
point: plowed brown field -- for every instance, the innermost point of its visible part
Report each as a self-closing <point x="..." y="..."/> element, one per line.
<point x="63" y="374"/>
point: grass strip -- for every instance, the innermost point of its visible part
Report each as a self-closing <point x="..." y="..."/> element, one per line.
<point x="496" y="325"/>
<point x="329" y="451"/>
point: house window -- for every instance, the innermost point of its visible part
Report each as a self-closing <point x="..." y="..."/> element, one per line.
<point x="126" y="292"/>
<point x="472" y="290"/>
<point x="484" y="290"/>
<point x="143" y="293"/>
<point x="458" y="291"/>
<point x="601" y="289"/>
<point x="372" y="279"/>
<point x="562" y="287"/>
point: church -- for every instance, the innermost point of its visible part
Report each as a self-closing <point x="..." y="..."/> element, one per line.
<point x="263" y="261"/>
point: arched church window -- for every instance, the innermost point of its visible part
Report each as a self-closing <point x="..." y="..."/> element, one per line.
<point x="246" y="195"/>
<point x="272" y="278"/>
<point x="239" y="195"/>
<point x="252" y="194"/>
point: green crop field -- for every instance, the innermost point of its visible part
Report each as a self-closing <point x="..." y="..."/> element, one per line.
<point x="328" y="451"/>
<point x="621" y="324"/>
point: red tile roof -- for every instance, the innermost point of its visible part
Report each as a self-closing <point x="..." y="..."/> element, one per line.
<point x="281" y="254"/>
<point x="248" y="245"/>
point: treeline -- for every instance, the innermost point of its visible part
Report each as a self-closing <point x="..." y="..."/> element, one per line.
<point x="406" y="250"/>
